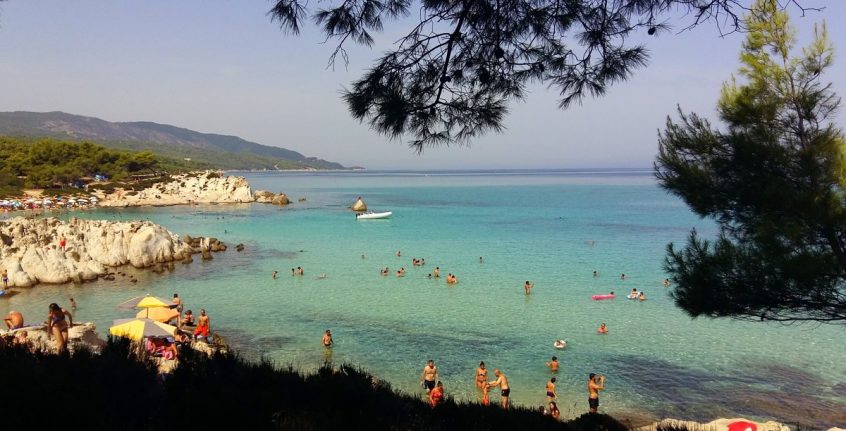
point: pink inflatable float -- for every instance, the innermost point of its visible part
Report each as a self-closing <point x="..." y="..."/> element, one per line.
<point x="603" y="296"/>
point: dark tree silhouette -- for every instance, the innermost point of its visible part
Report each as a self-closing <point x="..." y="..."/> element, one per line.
<point x="773" y="181"/>
<point x="451" y="77"/>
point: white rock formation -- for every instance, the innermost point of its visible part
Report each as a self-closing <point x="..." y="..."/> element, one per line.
<point x="79" y="335"/>
<point x="31" y="254"/>
<point x="203" y="187"/>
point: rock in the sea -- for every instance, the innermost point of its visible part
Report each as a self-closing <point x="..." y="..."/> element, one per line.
<point x="280" y="199"/>
<point x="207" y="255"/>
<point x="103" y="244"/>
<point x="359" y="205"/>
<point x="264" y="196"/>
<point x="239" y="247"/>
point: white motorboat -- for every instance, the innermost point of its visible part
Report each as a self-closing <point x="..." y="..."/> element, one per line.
<point x="372" y="215"/>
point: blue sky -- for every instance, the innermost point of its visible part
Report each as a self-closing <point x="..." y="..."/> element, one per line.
<point x="223" y="67"/>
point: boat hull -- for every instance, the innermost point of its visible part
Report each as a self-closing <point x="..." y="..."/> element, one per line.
<point x="373" y="216"/>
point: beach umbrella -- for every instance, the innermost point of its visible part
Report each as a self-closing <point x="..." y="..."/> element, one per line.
<point x="159" y="314"/>
<point x="82" y="200"/>
<point x="136" y="329"/>
<point x="71" y="201"/>
<point x="145" y="301"/>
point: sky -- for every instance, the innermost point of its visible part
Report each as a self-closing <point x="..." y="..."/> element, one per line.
<point x="223" y="67"/>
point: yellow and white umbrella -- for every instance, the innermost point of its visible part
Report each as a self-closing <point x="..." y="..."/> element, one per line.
<point x="159" y="314"/>
<point x="136" y="329"/>
<point x="145" y="301"/>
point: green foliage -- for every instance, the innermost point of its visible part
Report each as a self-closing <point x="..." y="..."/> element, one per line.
<point x="46" y="163"/>
<point x="453" y="74"/>
<point x="773" y="180"/>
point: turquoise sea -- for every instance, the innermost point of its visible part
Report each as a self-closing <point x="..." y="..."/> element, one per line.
<point x="553" y="228"/>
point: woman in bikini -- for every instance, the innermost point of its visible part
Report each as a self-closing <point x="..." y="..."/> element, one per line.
<point x="481" y="375"/>
<point x="482" y="382"/>
<point x="59" y="320"/>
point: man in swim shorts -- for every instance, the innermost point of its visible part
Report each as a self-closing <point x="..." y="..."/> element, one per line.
<point x="502" y="382"/>
<point x="203" y="325"/>
<point x="327" y="339"/>
<point x="595" y="384"/>
<point x="14" y="320"/>
<point x="429" y="376"/>
<point x="550" y="390"/>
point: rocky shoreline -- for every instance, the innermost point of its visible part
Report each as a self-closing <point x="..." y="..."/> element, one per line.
<point x="48" y="250"/>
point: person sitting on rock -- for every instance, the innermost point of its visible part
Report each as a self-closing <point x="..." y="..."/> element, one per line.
<point x="188" y="319"/>
<point x="14" y="320"/>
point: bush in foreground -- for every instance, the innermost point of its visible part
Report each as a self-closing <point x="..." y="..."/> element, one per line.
<point x="119" y="390"/>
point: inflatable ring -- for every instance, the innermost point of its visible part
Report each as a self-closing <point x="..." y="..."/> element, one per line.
<point x="559" y="344"/>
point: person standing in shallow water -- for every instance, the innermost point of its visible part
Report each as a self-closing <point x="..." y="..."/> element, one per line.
<point x="502" y="382"/>
<point x="528" y="287"/>
<point x="436" y="396"/>
<point x="553" y="364"/>
<point x="429" y="376"/>
<point x="595" y="384"/>
<point x="327" y="339"/>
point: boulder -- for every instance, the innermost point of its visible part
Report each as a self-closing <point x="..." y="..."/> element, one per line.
<point x="359" y="205"/>
<point x="94" y="245"/>
<point x="264" y="196"/>
<point x="280" y="199"/>
<point x="80" y="335"/>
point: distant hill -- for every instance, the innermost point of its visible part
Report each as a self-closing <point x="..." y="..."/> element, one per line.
<point x="205" y="149"/>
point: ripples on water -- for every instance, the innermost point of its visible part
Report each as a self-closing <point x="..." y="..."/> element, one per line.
<point x="527" y="226"/>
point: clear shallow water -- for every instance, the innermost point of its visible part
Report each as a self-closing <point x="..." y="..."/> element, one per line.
<point x="527" y="226"/>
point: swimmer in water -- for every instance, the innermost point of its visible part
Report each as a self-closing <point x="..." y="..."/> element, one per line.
<point x="275" y="273"/>
<point x="437" y="272"/>
<point x="528" y="287"/>
<point x="595" y="273"/>
<point x="602" y="329"/>
<point x="553" y="364"/>
<point x="622" y="276"/>
<point x="666" y="282"/>
<point x="641" y="296"/>
<point x="401" y="272"/>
